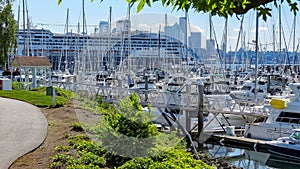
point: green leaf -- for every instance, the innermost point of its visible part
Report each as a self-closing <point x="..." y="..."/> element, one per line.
<point x="140" y="5"/>
<point x="294" y="8"/>
<point x="264" y="12"/>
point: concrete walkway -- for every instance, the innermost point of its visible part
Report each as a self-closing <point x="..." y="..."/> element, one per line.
<point x="23" y="127"/>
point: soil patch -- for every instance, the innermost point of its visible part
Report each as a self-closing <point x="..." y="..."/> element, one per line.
<point x="59" y="128"/>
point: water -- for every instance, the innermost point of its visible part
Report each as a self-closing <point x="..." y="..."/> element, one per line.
<point x="249" y="159"/>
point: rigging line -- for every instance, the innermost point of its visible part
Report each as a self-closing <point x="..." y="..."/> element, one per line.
<point x="274" y="39"/>
<point x="224" y="41"/>
<point x="291" y="37"/>
<point x="215" y="37"/>
<point x="287" y="55"/>
<point x="286" y="19"/>
<point x="238" y="41"/>
<point x="18" y="23"/>
<point x="287" y="59"/>
<point x="250" y="25"/>
<point x="66" y="29"/>
<point x="267" y="35"/>
<point x="29" y="43"/>
<point x="294" y="41"/>
<point x="262" y="38"/>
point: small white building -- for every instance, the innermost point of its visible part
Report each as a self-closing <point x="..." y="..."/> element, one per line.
<point x="30" y="66"/>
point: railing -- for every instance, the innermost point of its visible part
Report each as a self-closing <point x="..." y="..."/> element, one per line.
<point x="215" y="104"/>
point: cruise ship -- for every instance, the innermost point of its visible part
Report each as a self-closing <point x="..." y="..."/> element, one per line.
<point x="119" y="49"/>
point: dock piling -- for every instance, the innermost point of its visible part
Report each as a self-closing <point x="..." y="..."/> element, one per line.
<point x="200" y="112"/>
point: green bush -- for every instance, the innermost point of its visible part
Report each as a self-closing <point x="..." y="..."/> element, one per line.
<point x="56" y="104"/>
<point x="41" y="89"/>
<point x="77" y="127"/>
<point x="88" y="154"/>
<point x="126" y="128"/>
<point x="130" y="126"/>
<point x="64" y="93"/>
<point x="63" y="148"/>
<point x="18" y="85"/>
<point x="176" y="158"/>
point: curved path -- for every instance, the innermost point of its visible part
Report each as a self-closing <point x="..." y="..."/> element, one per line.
<point x="23" y="127"/>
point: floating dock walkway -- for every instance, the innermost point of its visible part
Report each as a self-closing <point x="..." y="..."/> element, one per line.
<point x="241" y="142"/>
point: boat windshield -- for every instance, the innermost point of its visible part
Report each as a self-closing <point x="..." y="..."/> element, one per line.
<point x="296" y="135"/>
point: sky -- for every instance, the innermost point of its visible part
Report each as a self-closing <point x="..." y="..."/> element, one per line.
<point x="47" y="14"/>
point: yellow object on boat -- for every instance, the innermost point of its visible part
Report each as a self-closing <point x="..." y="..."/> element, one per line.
<point x="278" y="103"/>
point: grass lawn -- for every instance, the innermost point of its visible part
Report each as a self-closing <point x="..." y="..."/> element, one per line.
<point x="33" y="97"/>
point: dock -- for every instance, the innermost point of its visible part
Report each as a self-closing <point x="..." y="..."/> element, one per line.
<point x="240" y="142"/>
<point x="190" y="103"/>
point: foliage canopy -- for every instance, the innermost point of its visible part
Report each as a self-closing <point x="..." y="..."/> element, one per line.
<point x="126" y="128"/>
<point x="8" y="29"/>
<point x="222" y="8"/>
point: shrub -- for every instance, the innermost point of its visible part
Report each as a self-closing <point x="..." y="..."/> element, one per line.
<point x="56" y="104"/>
<point x="88" y="154"/>
<point x="77" y="127"/>
<point x="64" y="93"/>
<point x="18" y="85"/>
<point x="173" y="158"/>
<point x="128" y="139"/>
<point x="41" y="89"/>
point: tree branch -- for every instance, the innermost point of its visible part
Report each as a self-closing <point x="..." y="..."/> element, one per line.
<point x="251" y="5"/>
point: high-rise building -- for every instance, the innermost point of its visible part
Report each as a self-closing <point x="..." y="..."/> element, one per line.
<point x="103" y="27"/>
<point x="195" y="42"/>
<point x="183" y="29"/>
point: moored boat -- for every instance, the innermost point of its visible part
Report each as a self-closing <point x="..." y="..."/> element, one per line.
<point x="284" y="115"/>
<point x="286" y="146"/>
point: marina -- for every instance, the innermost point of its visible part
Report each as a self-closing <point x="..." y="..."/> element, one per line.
<point x="242" y="106"/>
<point x="248" y="158"/>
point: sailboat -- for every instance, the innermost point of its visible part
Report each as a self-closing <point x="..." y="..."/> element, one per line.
<point x="64" y="76"/>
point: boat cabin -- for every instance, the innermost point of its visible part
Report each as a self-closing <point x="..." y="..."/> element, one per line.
<point x="295" y="134"/>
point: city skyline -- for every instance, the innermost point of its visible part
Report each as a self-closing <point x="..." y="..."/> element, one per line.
<point x="50" y="15"/>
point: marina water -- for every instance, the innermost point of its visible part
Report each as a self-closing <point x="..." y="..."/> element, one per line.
<point x="250" y="159"/>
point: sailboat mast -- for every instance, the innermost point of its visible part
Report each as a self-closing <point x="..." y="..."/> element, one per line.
<point x="294" y="43"/>
<point x="274" y="48"/>
<point x="29" y="42"/>
<point x="67" y="30"/>
<point x="225" y="41"/>
<point x="211" y="40"/>
<point x="18" y="24"/>
<point x="280" y="59"/>
<point x="129" y="36"/>
<point x="165" y="31"/>
<point x="256" y="55"/>
<point x="109" y="56"/>
<point x="83" y="18"/>
<point x="185" y="36"/>
<point x="24" y="23"/>
<point x="158" y="50"/>
<point x="210" y="27"/>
